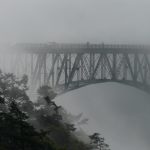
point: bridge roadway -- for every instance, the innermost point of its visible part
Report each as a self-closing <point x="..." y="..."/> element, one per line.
<point x="69" y="66"/>
<point x="78" y="48"/>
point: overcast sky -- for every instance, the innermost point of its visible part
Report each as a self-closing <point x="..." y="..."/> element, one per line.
<point x="110" y="21"/>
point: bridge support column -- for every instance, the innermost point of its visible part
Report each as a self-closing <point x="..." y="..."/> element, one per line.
<point x="45" y="70"/>
<point x="114" y="66"/>
<point x="135" y="67"/>
<point x="66" y="70"/>
<point x="91" y="64"/>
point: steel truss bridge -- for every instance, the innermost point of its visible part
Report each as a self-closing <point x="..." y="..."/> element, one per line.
<point x="69" y="66"/>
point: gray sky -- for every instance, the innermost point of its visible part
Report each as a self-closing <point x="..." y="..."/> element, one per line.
<point x="110" y="21"/>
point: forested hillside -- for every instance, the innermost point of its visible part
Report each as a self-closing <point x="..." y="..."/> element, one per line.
<point x="42" y="125"/>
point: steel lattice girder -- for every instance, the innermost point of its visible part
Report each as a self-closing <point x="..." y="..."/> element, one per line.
<point x="69" y="66"/>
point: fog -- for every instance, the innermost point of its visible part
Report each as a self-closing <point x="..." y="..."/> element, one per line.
<point x="109" y="21"/>
<point x="120" y="113"/>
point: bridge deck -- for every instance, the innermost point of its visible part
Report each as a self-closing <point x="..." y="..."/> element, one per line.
<point x="80" y="48"/>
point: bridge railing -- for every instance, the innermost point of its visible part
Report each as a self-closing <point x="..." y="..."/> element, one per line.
<point x="76" y="47"/>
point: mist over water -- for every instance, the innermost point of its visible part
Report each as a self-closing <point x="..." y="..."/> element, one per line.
<point x="119" y="112"/>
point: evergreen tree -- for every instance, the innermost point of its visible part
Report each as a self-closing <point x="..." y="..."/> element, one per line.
<point x="15" y="131"/>
<point x="25" y="125"/>
<point x="98" y="142"/>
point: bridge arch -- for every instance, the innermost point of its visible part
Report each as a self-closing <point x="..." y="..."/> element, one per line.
<point x="62" y="89"/>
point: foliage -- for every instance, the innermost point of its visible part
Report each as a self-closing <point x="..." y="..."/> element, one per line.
<point x="36" y="126"/>
<point x="98" y="142"/>
<point x="15" y="132"/>
<point x="50" y="118"/>
<point x="18" y="134"/>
